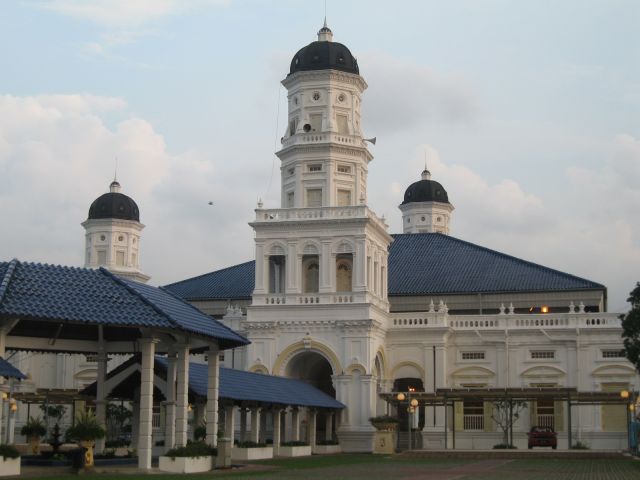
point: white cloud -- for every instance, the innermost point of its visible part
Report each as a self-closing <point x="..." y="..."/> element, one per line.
<point x="404" y="94"/>
<point x="125" y="13"/>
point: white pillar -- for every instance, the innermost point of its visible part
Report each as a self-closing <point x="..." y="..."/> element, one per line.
<point x="147" y="347"/>
<point x="170" y="404"/>
<point x="313" y="416"/>
<point x="255" y="424"/>
<point x="101" y="394"/>
<point x="295" y="424"/>
<point x="229" y="422"/>
<point x="213" y="386"/>
<point x="277" y="423"/>
<point x="182" y="394"/>
<point x="328" y="426"/>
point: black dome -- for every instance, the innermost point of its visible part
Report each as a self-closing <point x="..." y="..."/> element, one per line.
<point x="114" y="205"/>
<point x="324" y="55"/>
<point x="425" y="191"/>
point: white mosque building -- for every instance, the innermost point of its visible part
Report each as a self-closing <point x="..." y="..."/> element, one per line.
<point x="334" y="298"/>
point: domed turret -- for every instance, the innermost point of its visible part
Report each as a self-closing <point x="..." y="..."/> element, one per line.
<point x="114" y="205"/>
<point x="425" y="190"/>
<point x="324" y="54"/>
<point x="426" y="207"/>
<point x="113" y="231"/>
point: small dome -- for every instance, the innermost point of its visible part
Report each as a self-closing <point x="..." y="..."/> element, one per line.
<point x="324" y="54"/>
<point x="425" y="190"/>
<point x="114" y="205"/>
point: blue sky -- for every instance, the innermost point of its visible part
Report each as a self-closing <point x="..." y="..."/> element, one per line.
<point x="527" y="112"/>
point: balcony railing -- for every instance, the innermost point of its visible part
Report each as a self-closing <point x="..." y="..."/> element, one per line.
<point x="473" y="422"/>
<point x="546" y="420"/>
<point x="311" y="138"/>
<point x="275" y="215"/>
<point x="505" y="322"/>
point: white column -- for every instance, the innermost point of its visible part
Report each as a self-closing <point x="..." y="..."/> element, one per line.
<point x="295" y="424"/>
<point x="359" y="266"/>
<point x="182" y="395"/>
<point x="255" y="424"/>
<point x="293" y="267"/>
<point x="328" y="428"/>
<point x="260" y="286"/>
<point x="213" y="386"/>
<point x="147" y="348"/>
<point x="313" y="416"/>
<point x="170" y="404"/>
<point x="325" y="267"/>
<point x="229" y="422"/>
<point x="277" y="422"/>
<point x="101" y="395"/>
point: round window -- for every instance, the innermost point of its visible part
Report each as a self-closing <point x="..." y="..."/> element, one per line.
<point x="102" y="238"/>
<point x="342" y="97"/>
<point x="316" y="96"/>
<point x="439" y="219"/>
<point x="423" y="219"/>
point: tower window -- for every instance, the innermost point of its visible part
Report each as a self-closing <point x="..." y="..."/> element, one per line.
<point x="293" y="125"/>
<point x="343" y="127"/>
<point x="102" y="257"/>
<point x="344" y="267"/>
<point x="344" y="198"/>
<point x="542" y="354"/>
<point x="310" y="273"/>
<point x="315" y="167"/>
<point x="290" y="199"/>
<point x="277" y="264"/>
<point x="344" y="169"/>
<point x="120" y="258"/>
<point x="316" y="122"/>
<point x="314" y="197"/>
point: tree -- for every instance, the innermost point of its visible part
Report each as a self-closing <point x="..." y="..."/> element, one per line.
<point x="505" y="413"/>
<point x="631" y="328"/>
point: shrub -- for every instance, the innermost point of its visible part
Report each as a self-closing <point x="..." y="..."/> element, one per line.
<point x="194" y="449"/>
<point x="579" y="446"/>
<point x="504" y="446"/>
<point x="9" y="451"/>
<point x="86" y="428"/>
<point x="200" y="432"/>
<point x="34" y="427"/>
<point x="250" y="444"/>
<point x="328" y="442"/>
<point x="295" y="443"/>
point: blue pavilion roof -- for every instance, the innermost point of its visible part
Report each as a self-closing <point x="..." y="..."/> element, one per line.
<point x="53" y="293"/>
<point x="9" y="371"/>
<point x="419" y="264"/>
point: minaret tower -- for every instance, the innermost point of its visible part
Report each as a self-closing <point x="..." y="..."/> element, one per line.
<point x="426" y="207"/>
<point x="112" y="238"/>
<point x="321" y="258"/>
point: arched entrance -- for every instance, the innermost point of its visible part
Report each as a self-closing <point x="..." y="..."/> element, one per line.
<point x="313" y="368"/>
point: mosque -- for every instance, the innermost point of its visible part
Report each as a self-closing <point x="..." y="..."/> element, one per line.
<point x="335" y="299"/>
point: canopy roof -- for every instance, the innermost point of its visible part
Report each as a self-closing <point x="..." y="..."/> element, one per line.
<point x="236" y="386"/>
<point x="67" y="303"/>
<point x="9" y="371"/>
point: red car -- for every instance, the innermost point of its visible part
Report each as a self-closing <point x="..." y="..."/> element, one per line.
<point x="542" y="437"/>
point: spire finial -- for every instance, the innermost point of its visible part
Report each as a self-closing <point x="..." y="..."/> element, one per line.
<point x="114" y="187"/>
<point x="426" y="174"/>
<point x="325" y="34"/>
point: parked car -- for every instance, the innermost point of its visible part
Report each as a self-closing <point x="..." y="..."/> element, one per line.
<point x="542" y="437"/>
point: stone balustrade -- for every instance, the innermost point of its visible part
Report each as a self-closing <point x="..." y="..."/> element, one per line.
<point x="310" y="138"/>
<point x="275" y="215"/>
<point x="504" y="322"/>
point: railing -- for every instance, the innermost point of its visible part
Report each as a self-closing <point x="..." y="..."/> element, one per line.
<point x="306" y="138"/>
<point x="473" y="422"/>
<point x="316" y="213"/>
<point x="310" y="298"/>
<point x="156" y="424"/>
<point x="504" y="322"/>
<point x="546" y="420"/>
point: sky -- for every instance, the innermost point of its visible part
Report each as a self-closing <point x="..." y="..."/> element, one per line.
<point x="527" y="112"/>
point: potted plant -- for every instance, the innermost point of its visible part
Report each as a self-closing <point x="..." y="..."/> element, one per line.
<point x="325" y="447"/>
<point x="251" y="451"/>
<point x="196" y="457"/>
<point x="85" y="431"/>
<point x="34" y="430"/>
<point x="294" y="449"/>
<point x="9" y="461"/>
<point x="384" y="437"/>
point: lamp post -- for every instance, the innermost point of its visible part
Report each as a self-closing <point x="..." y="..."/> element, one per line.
<point x="412" y="404"/>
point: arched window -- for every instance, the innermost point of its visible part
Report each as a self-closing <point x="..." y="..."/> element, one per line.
<point x="277" y="265"/>
<point x="310" y="273"/>
<point x="344" y="270"/>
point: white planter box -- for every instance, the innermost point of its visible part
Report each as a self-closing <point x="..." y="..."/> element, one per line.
<point x="244" y="454"/>
<point x="301" y="451"/>
<point x="326" y="449"/>
<point x="186" y="464"/>
<point x="10" y="466"/>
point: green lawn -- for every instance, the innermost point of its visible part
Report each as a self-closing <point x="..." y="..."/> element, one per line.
<point x="373" y="467"/>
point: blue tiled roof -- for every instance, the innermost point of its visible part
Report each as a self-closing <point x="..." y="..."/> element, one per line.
<point x="433" y="263"/>
<point x="9" y="371"/>
<point x="419" y="264"/>
<point x="81" y="295"/>
<point x="239" y="385"/>
<point x="234" y="282"/>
